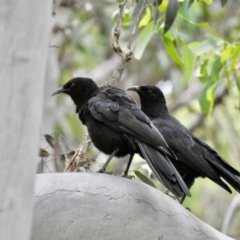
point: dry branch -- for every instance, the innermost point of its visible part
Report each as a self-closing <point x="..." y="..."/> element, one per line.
<point x="79" y="159"/>
<point x="125" y="53"/>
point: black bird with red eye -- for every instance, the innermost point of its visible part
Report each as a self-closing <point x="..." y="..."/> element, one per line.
<point x="72" y="85"/>
<point x="118" y="127"/>
<point x="196" y="158"/>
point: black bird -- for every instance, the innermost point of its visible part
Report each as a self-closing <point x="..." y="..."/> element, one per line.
<point x="196" y="158"/>
<point x="118" y="127"/>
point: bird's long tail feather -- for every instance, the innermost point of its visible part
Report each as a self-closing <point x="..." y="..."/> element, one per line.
<point x="229" y="176"/>
<point x="164" y="170"/>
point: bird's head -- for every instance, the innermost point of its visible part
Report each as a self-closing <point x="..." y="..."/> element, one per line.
<point x="148" y="93"/>
<point x="152" y="100"/>
<point x="78" y="89"/>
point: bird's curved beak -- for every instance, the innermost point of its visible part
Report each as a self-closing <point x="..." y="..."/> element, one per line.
<point x="59" y="90"/>
<point x="134" y="88"/>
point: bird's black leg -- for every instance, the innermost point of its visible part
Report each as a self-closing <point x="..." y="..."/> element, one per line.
<point x="103" y="168"/>
<point x="182" y="199"/>
<point x="125" y="173"/>
<point x="167" y="193"/>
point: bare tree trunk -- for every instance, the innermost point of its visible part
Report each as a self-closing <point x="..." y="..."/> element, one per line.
<point x="232" y="212"/>
<point x="51" y="83"/>
<point x="99" y="206"/>
<point x="24" y="33"/>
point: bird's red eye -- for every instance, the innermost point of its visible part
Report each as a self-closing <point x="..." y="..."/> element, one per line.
<point x="72" y="85"/>
<point x="149" y="91"/>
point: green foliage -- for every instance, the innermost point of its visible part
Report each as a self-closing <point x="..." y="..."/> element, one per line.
<point x="126" y="17"/>
<point x="64" y="144"/>
<point x="143" y="40"/>
<point x="207" y="97"/>
<point x="144" y="178"/>
<point x="171" y="49"/>
<point x="223" y="2"/>
<point x="212" y="60"/>
<point x="146" y="18"/>
<point x="171" y="14"/>
<point x="50" y="140"/>
<point x="188" y="59"/>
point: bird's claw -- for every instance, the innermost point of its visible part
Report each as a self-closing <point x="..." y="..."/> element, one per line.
<point x="127" y="176"/>
<point x="104" y="171"/>
<point x="171" y="196"/>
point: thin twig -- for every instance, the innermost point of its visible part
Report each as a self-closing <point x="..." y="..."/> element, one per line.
<point x="125" y="53"/>
<point x="117" y="30"/>
<point x="79" y="159"/>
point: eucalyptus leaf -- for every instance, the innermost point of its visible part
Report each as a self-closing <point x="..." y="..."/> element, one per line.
<point x="190" y="3"/>
<point x="223" y="2"/>
<point x="168" y="42"/>
<point x="143" y="40"/>
<point x="144" y="178"/>
<point x="137" y="10"/>
<point x="64" y="146"/>
<point x="216" y="68"/>
<point x="43" y="153"/>
<point x="203" y="71"/>
<point x="171" y="14"/>
<point x="235" y="57"/>
<point x="157" y="2"/>
<point x="203" y="25"/>
<point x="188" y="59"/>
<point x="226" y="54"/>
<point x="238" y="82"/>
<point x="208" y="1"/>
<point x="146" y="18"/>
<point x="50" y="140"/>
<point x="207" y="97"/>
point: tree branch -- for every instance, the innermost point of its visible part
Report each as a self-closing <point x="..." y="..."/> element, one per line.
<point x="100" y="206"/>
<point x="125" y="53"/>
<point x="79" y="159"/>
<point x="117" y="30"/>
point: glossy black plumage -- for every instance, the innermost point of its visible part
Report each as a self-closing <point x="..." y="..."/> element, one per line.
<point x="117" y="125"/>
<point x="196" y="158"/>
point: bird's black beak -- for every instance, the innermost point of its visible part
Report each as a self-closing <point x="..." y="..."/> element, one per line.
<point x="134" y="88"/>
<point x="59" y="90"/>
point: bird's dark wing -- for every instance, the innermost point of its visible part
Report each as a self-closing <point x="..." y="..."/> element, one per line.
<point x="182" y="142"/>
<point x="102" y="109"/>
<point x="214" y="157"/>
<point x="118" y="111"/>
<point x="195" y="153"/>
